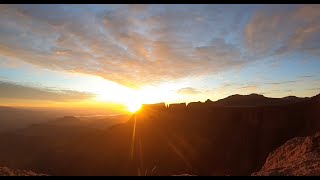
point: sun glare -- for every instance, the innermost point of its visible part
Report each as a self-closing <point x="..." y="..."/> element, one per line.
<point x="134" y="106"/>
<point x="133" y="98"/>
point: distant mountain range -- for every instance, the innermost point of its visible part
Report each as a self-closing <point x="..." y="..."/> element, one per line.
<point x="13" y="118"/>
<point x="251" y="100"/>
<point x="257" y="100"/>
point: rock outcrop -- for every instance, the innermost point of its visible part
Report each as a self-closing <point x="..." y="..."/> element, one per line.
<point x="5" y="171"/>
<point x="297" y="157"/>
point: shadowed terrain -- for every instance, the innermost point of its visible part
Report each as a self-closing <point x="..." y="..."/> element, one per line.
<point x="212" y="138"/>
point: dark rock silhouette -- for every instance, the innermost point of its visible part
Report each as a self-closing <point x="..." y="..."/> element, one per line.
<point x="179" y="106"/>
<point x="299" y="156"/>
<point x="156" y="107"/>
<point x="207" y="139"/>
<point x="196" y="105"/>
<point x="240" y="135"/>
<point x="256" y="100"/>
<point x="208" y="101"/>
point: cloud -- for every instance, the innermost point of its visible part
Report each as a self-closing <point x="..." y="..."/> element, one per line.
<point x="9" y="90"/>
<point x="143" y="45"/>
<point x="251" y="88"/>
<point x="224" y="85"/>
<point x="314" y="89"/>
<point x="281" y="83"/>
<point x="271" y="92"/>
<point x="136" y="45"/>
<point x="188" y="91"/>
<point x="306" y="76"/>
<point x="284" y="29"/>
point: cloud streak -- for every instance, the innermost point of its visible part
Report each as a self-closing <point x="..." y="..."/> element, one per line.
<point x="9" y="90"/>
<point x="251" y="88"/>
<point x="188" y="91"/>
<point x="314" y="89"/>
<point x="282" y="83"/>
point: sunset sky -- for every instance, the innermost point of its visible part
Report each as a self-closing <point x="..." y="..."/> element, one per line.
<point x="118" y="54"/>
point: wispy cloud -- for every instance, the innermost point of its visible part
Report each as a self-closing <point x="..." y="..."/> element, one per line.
<point x="188" y="91"/>
<point x="283" y="30"/>
<point x="306" y="76"/>
<point x="251" y="88"/>
<point x="281" y="83"/>
<point x="9" y="90"/>
<point x="313" y="89"/>
<point x="229" y="85"/>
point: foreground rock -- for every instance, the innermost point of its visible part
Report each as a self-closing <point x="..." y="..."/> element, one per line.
<point x="297" y="157"/>
<point x="4" y="171"/>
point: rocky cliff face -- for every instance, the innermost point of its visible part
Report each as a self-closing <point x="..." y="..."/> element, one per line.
<point x="234" y="140"/>
<point x="297" y="157"/>
<point x="5" y="171"/>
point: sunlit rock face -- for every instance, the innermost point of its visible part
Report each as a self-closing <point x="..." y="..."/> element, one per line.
<point x="299" y="156"/>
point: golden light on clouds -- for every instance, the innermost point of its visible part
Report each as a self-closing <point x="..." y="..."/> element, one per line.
<point x="120" y="54"/>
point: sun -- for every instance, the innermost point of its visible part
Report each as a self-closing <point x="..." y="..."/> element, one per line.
<point x="134" y="106"/>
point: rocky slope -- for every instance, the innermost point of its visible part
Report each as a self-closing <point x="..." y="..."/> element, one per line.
<point x="297" y="157"/>
<point x="5" y="171"/>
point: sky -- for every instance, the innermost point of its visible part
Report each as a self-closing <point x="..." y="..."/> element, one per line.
<point x="98" y="55"/>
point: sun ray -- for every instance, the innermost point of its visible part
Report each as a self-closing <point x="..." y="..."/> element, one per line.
<point x="133" y="136"/>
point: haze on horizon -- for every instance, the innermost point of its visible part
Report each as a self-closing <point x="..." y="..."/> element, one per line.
<point x="102" y="55"/>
